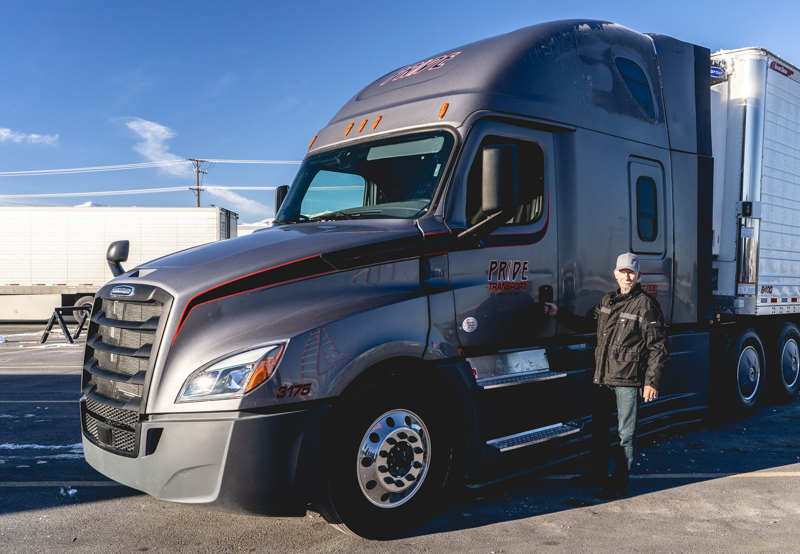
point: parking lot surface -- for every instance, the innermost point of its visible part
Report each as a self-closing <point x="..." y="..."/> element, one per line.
<point x="714" y="486"/>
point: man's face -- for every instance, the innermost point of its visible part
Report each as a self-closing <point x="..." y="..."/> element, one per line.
<point x="626" y="278"/>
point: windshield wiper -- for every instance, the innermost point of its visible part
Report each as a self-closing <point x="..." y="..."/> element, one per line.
<point x="332" y="216"/>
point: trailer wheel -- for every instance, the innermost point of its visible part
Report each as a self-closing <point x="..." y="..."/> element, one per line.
<point x="784" y="363"/>
<point x="744" y="371"/>
<point x="83" y="301"/>
<point x="387" y="461"/>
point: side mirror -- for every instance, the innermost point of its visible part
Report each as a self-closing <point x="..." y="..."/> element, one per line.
<point x="498" y="189"/>
<point x="280" y="195"/>
<point x="117" y="252"/>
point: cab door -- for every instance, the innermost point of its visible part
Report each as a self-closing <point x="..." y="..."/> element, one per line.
<point x="498" y="285"/>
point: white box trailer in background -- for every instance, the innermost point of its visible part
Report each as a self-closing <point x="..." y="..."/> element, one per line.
<point x="755" y="111"/>
<point x="55" y="256"/>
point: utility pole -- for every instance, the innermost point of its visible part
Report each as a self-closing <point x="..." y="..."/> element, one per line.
<point x="197" y="163"/>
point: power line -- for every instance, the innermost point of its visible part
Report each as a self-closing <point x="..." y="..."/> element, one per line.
<point x="143" y="165"/>
<point x="121" y="192"/>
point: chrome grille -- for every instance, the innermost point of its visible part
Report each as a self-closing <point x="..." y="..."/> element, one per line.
<point x="119" y="351"/>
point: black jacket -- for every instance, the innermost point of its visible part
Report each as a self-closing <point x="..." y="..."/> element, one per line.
<point x="632" y="346"/>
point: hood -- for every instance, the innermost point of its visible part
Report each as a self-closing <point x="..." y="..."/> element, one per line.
<point x="295" y="251"/>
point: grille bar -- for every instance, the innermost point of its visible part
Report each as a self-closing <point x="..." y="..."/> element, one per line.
<point x="149" y="325"/>
<point x="97" y="343"/>
<point x="136" y="379"/>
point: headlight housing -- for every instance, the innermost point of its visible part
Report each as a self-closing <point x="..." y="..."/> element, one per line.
<point x="234" y="376"/>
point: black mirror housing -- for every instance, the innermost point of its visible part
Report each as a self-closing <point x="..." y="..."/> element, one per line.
<point x="499" y="183"/>
<point x="280" y="196"/>
<point x="117" y="252"/>
<point x="498" y="190"/>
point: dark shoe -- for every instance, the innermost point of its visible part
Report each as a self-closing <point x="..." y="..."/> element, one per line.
<point x="611" y="493"/>
<point x="588" y="480"/>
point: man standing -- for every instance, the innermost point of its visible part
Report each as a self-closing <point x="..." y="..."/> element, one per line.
<point x="632" y="352"/>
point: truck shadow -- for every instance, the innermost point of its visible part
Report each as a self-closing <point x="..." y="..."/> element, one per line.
<point x="671" y="458"/>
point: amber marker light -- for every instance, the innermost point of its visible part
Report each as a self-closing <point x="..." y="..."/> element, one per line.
<point x="378" y="120"/>
<point x="443" y="110"/>
<point x="313" y="140"/>
<point x="361" y="127"/>
<point x="349" y="128"/>
<point x="265" y="368"/>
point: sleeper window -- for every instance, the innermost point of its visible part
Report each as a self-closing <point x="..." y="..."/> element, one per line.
<point x="634" y="77"/>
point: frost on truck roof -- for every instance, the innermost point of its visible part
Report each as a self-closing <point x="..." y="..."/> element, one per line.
<point x="562" y="71"/>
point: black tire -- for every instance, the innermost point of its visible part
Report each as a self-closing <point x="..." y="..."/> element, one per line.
<point x="744" y="372"/>
<point x="387" y="460"/>
<point x="784" y="363"/>
<point x="83" y="301"/>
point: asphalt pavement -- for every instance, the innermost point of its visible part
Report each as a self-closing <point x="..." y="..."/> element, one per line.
<point x="714" y="486"/>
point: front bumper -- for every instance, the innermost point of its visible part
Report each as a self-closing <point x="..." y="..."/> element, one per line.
<point x="231" y="461"/>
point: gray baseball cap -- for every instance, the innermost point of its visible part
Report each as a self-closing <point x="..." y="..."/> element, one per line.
<point x="628" y="261"/>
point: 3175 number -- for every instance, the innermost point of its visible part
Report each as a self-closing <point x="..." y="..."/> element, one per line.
<point x="290" y="391"/>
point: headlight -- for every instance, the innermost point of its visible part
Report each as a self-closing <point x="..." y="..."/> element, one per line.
<point x="232" y="377"/>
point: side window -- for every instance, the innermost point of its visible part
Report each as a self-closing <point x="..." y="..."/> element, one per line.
<point x="646" y="209"/>
<point x="530" y="182"/>
<point x="634" y="77"/>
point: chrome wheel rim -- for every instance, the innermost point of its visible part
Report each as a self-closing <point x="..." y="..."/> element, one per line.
<point x="748" y="373"/>
<point x="790" y="363"/>
<point x="393" y="458"/>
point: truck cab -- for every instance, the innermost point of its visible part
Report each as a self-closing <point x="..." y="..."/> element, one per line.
<point x="386" y="335"/>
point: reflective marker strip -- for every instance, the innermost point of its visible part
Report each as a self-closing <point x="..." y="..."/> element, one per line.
<point x="605" y="310"/>
<point x="631" y="316"/>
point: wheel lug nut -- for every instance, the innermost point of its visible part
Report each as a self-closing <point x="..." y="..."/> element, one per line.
<point x="410" y="477"/>
<point x="383" y="454"/>
<point x="417" y="465"/>
<point x="383" y="469"/>
<point x="399" y="483"/>
<point x="402" y="435"/>
<point x="388" y="480"/>
<point x="391" y="441"/>
<point x="412" y="439"/>
<point x="417" y="450"/>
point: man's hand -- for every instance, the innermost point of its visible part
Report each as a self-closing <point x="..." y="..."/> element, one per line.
<point x="550" y="309"/>
<point x="650" y="394"/>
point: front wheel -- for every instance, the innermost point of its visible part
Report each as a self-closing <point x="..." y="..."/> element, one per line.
<point x="388" y="460"/>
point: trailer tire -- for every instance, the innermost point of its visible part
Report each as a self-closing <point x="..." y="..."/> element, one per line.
<point x="83" y="301"/>
<point x="744" y="371"/>
<point x="784" y="363"/>
<point x="387" y="460"/>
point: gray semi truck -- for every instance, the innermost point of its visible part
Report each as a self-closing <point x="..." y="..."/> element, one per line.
<point x="386" y="336"/>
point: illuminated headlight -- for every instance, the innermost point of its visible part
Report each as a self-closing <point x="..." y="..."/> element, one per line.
<point x="232" y="377"/>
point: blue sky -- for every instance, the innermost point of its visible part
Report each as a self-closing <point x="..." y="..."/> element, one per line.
<point x="90" y="83"/>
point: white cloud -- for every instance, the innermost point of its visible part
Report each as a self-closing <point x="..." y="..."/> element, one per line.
<point x="7" y="135"/>
<point x="154" y="147"/>
<point x="238" y="203"/>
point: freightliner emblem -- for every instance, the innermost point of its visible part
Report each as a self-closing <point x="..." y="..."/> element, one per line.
<point x="122" y="291"/>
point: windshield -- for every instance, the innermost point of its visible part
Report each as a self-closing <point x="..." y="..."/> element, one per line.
<point x="392" y="178"/>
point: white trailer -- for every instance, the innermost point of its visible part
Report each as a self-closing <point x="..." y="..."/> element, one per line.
<point x="755" y="111"/>
<point x="55" y="256"/>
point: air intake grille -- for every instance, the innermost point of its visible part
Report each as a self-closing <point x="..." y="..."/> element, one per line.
<point x="119" y="351"/>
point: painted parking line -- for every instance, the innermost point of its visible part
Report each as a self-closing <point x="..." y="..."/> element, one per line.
<point x="754" y="474"/>
<point x="43" y="484"/>
<point x="36" y="401"/>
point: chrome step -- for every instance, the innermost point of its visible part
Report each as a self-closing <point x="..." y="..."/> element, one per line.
<point x="536" y="436"/>
<point x="519" y="379"/>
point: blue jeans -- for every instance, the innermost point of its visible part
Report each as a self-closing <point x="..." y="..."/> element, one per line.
<point x="626" y="402"/>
